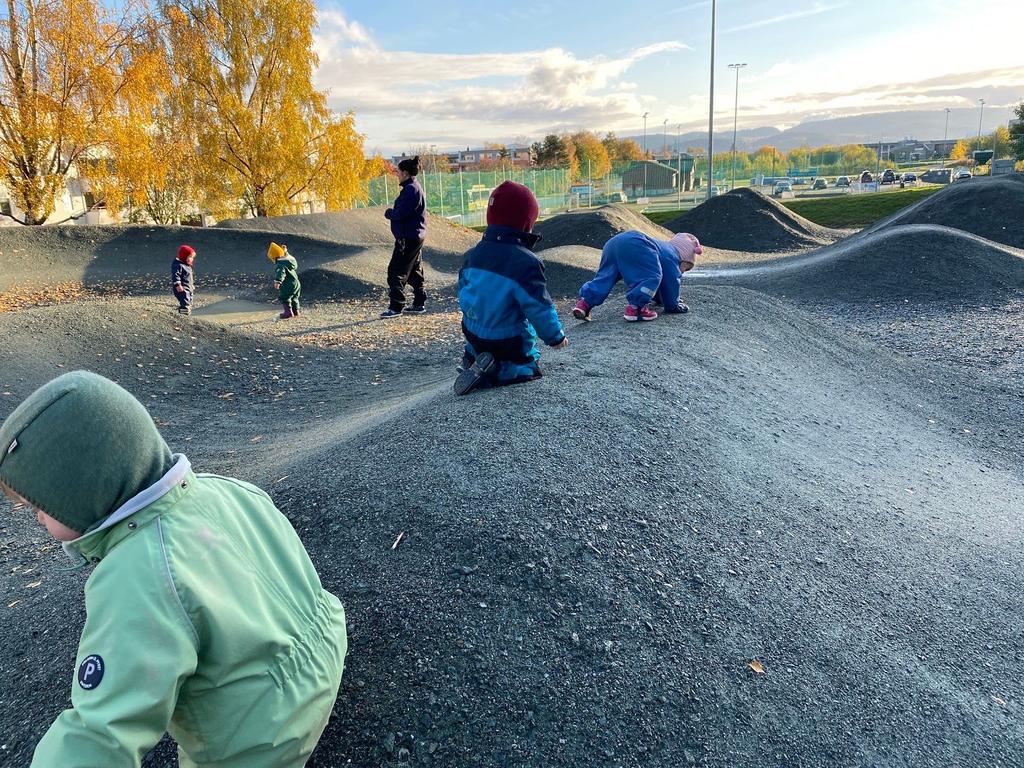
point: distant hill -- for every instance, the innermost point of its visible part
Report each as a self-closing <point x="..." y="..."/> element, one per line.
<point x="926" y="125"/>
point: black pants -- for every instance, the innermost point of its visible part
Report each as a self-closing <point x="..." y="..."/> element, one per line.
<point x="406" y="267"/>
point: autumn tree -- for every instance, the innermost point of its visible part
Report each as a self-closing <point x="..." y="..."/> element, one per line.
<point x="591" y="156"/>
<point x="68" y="69"/>
<point x="1016" y="133"/>
<point x="432" y="161"/>
<point x="246" y="69"/>
<point x="552" y="152"/>
<point x="621" y="150"/>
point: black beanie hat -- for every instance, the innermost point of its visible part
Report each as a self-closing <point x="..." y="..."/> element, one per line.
<point x="410" y="165"/>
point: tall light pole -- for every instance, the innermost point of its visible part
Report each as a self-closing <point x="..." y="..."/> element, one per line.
<point x="945" y="136"/>
<point x="667" y="150"/>
<point x="980" y="117"/>
<point x="711" y="105"/>
<point x="735" y="115"/>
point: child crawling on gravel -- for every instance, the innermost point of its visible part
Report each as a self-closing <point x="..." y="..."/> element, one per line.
<point x="504" y="297"/>
<point x="651" y="269"/>
<point x="182" y="280"/>
<point x="286" y="279"/>
<point x="204" y="614"/>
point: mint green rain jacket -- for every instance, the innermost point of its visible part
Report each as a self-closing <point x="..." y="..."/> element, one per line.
<point x="205" y="619"/>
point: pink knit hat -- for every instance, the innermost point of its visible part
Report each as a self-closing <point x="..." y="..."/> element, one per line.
<point x="687" y="246"/>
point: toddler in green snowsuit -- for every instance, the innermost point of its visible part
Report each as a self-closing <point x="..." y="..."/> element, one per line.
<point x="286" y="279"/>
<point x="205" y="616"/>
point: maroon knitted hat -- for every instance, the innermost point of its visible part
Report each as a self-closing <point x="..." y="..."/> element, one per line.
<point x="512" y="205"/>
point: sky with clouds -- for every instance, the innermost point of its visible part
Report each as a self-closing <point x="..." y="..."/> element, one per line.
<point x="460" y="72"/>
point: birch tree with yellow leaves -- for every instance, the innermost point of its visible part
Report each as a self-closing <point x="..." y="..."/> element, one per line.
<point x="263" y="130"/>
<point x="67" y="70"/>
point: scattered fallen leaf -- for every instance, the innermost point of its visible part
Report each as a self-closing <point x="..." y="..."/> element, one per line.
<point x="13" y="603"/>
<point x="281" y="479"/>
<point x="398" y="540"/>
<point x="757" y="666"/>
<point x="34" y="584"/>
<point x="999" y="701"/>
<point x="256" y="439"/>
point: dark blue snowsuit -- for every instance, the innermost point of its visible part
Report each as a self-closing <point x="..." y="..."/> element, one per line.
<point x="649" y="267"/>
<point x="506" y="305"/>
<point x="181" y="274"/>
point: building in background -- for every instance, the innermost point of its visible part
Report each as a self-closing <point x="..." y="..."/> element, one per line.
<point x="647" y="178"/>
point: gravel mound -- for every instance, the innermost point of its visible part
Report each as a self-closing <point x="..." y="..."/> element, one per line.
<point x="363" y="226"/>
<point x="992" y="208"/>
<point x="748" y="221"/>
<point x="901" y="263"/>
<point x="581" y="571"/>
<point x="594" y="228"/>
<point x="47" y="255"/>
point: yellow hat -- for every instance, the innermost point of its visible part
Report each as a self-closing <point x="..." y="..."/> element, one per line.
<point x="275" y="252"/>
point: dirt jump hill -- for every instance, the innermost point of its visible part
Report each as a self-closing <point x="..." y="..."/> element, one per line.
<point x="361" y="227"/>
<point x="913" y="263"/>
<point x="139" y="256"/>
<point x="594" y="228"/>
<point x="992" y="208"/>
<point x="582" y="571"/>
<point x="748" y="221"/>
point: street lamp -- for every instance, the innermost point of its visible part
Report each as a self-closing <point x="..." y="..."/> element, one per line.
<point x="735" y="115"/>
<point x="945" y="136"/>
<point x="645" y="153"/>
<point x="980" y="117"/>
<point x="711" y="104"/>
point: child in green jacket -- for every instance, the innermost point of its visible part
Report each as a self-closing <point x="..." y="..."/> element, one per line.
<point x="286" y="279"/>
<point x="205" y="616"/>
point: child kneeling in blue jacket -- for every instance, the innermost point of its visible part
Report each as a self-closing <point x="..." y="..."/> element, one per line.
<point x="652" y="270"/>
<point x="504" y="297"/>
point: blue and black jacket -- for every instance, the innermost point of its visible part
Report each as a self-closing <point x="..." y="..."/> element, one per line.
<point x="408" y="217"/>
<point x="504" y="297"/>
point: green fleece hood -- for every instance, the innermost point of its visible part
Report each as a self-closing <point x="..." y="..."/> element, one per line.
<point x="79" y="447"/>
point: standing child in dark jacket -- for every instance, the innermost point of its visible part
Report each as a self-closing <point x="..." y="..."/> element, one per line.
<point x="409" y="226"/>
<point x="286" y="279"/>
<point x="182" y="280"/>
<point x="504" y="297"/>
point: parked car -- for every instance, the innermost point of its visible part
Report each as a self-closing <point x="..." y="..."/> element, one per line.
<point x="962" y="174"/>
<point x="782" y="187"/>
<point x="609" y="199"/>
<point x="820" y="184"/>
<point x="908" y="179"/>
<point x="865" y="177"/>
<point x="843" y="181"/>
<point x="888" y="176"/>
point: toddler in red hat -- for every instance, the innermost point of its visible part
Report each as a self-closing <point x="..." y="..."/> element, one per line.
<point x="182" y="278"/>
<point x="504" y="297"/>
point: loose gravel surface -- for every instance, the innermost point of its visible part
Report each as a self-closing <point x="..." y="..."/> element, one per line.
<point x="992" y="208"/>
<point x="781" y="530"/>
<point x="747" y="221"/>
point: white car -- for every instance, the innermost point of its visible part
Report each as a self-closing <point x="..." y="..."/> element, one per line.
<point x="961" y="175"/>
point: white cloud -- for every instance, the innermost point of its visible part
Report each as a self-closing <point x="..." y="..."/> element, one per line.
<point x="519" y="91"/>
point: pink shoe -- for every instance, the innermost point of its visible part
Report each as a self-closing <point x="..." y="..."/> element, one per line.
<point x="632" y="314"/>
<point x="581" y="311"/>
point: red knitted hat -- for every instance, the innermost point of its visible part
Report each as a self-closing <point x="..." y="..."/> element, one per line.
<point x="513" y="205"/>
<point x="186" y="254"/>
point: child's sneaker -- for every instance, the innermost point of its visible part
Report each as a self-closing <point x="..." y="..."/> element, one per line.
<point x="287" y="314"/>
<point x="389" y="313"/>
<point x="581" y="311"/>
<point x="471" y="377"/>
<point x="295" y="312"/>
<point x="633" y="314"/>
<point x="416" y="309"/>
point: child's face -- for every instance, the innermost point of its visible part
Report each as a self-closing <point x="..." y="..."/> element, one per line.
<point x="58" y="530"/>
